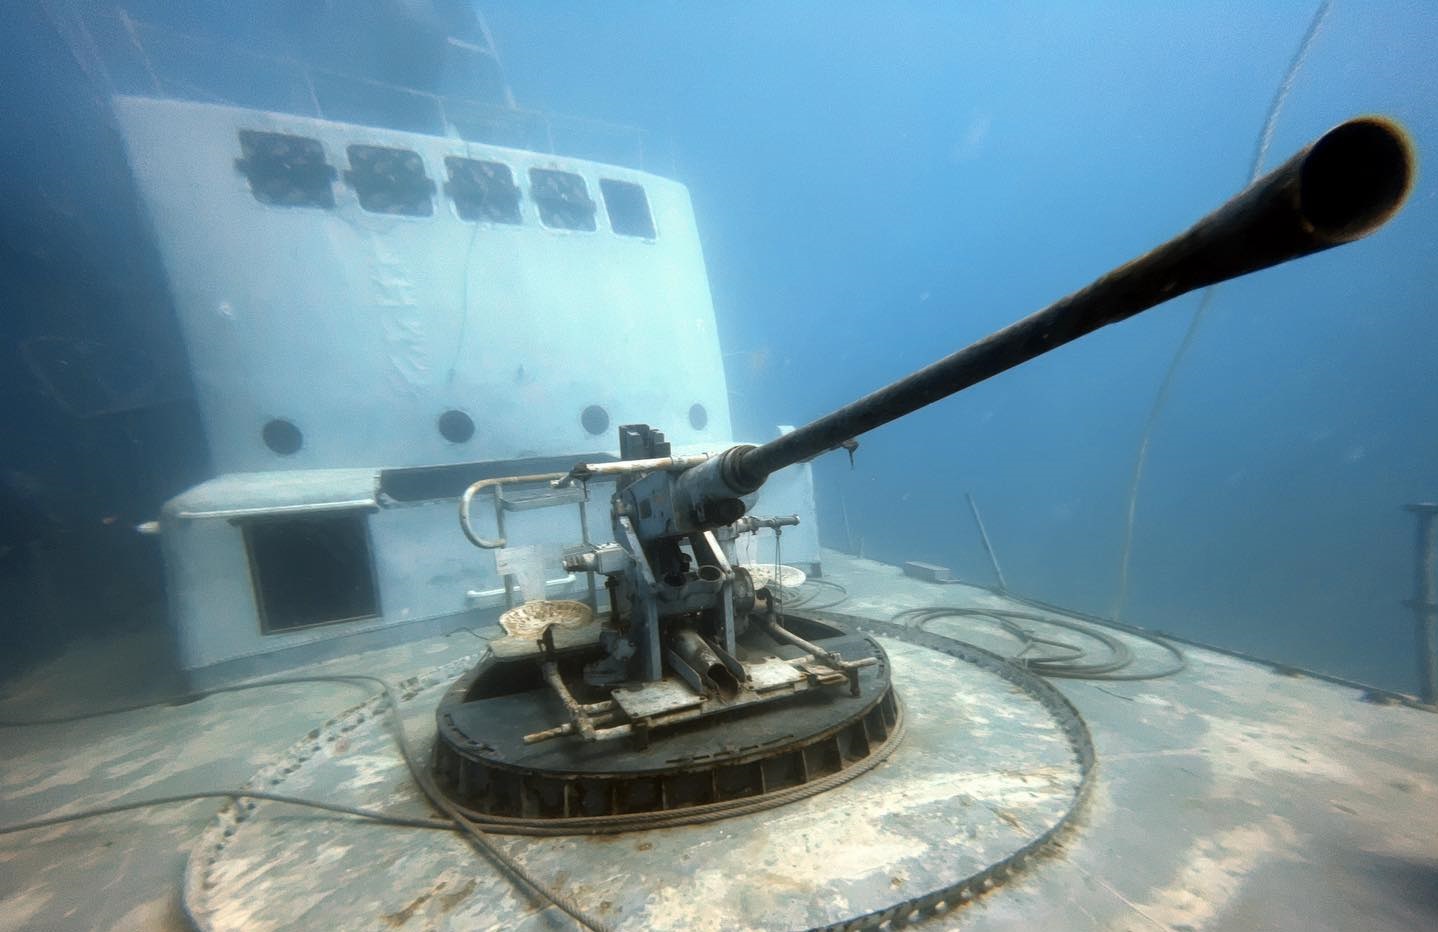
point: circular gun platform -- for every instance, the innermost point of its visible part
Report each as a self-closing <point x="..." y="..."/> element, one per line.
<point x="795" y="745"/>
<point x="995" y="764"/>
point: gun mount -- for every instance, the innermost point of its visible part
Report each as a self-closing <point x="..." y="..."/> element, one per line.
<point x="690" y="643"/>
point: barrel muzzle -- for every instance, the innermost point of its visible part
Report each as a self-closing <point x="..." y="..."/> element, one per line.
<point x="1354" y="178"/>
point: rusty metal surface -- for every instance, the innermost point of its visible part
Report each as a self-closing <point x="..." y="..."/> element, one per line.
<point x="660" y="696"/>
<point x="1227" y="798"/>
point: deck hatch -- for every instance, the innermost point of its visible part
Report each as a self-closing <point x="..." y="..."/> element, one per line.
<point x="390" y="181"/>
<point x="563" y="199"/>
<point x="285" y="170"/>
<point x="482" y="190"/>
<point x="311" y="569"/>
<point x="628" y="208"/>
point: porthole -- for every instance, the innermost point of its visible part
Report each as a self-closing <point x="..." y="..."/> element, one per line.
<point x="282" y="437"/>
<point x="456" y="426"/>
<point x="698" y="417"/>
<point x="595" y="420"/>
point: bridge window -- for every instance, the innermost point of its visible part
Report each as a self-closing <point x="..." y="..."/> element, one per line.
<point x="313" y="569"/>
<point x="287" y="171"/>
<point x="390" y="181"/>
<point x="628" y="208"/>
<point x="563" y="199"/>
<point x="482" y="190"/>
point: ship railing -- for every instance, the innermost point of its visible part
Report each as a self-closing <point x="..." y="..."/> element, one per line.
<point x="124" y="55"/>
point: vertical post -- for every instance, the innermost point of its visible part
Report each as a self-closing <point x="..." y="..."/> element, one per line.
<point x="988" y="547"/>
<point x="584" y="538"/>
<point x="709" y="552"/>
<point x="499" y="526"/>
<point x="134" y="35"/>
<point x="310" y="87"/>
<point x="1425" y="599"/>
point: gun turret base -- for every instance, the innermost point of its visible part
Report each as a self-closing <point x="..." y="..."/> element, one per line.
<point x="810" y="739"/>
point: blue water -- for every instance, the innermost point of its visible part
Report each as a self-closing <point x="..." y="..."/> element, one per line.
<point x="879" y="185"/>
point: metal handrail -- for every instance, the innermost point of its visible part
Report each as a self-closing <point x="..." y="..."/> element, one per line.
<point x="304" y="72"/>
<point x="474" y="489"/>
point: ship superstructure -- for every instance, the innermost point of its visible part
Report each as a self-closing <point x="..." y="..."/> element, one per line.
<point x="374" y="319"/>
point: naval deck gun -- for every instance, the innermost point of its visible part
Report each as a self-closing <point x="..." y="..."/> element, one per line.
<point x="724" y="698"/>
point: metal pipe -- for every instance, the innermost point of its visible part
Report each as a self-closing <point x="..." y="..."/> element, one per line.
<point x="1425" y="599"/>
<point x="693" y="650"/>
<point x="499" y="528"/>
<point x="1342" y="187"/>
<point x="576" y="712"/>
<point x="750" y="523"/>
<point x="584" y="539"/>
<point x="480" y="486"/>
<point x="559" y="731"/>
<point x="988" y="547"/>
<point x="583" y="472"/>
<point x="781" y="633"/>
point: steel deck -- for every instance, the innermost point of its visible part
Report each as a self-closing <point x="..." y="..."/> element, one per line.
<point x="1226" y="797"/>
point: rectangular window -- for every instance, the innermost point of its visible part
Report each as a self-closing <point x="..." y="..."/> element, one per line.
<point x="390" y="181"/>
<point x="482" y="190"/>
<point x="628" y="208"/>
<point x="312" y="569"/>
<point x="563" y="199"/>
<point x="287" y="171"/>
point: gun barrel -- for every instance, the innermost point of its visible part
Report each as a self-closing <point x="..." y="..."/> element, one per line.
<point x="1340" y="188"/>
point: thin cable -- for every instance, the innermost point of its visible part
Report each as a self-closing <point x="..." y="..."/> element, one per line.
<point x="464" y="301"/>
<point x="1071" y="661"/>
<point x="477" y="835"/>
<point x="187" y="698"/>
<point x="470" y="631"/>
<point x="422" y="778"/>
<point x="1165" y="388"/>
<point x="808" y="593"/>
<point x="464" y="287"/>
<point x="373" y="815"/>
<point x="1158" y="638"/>
<point x="778" y="571"/>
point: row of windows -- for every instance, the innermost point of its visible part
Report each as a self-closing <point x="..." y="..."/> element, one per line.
<point x="291" y="171"/>
<point x="283" y="437"/>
